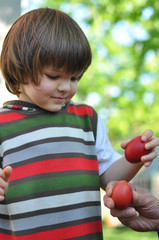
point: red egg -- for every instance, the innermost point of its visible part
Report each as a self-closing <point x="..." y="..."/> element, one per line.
<point x="122" y="194"/>
<point x="135" y="149"/>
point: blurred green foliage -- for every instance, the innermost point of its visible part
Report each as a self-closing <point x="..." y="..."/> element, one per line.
<point x="124" y="38"/>
<point x="124" y="233"/>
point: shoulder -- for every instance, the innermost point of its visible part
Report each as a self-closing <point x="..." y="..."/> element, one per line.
<point x="81" y="109"/>
<point x="86" y="111"/>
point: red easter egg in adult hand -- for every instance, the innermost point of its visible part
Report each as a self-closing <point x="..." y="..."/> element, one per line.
<point x="135" y="149"/>
<point x="122" y="194"/>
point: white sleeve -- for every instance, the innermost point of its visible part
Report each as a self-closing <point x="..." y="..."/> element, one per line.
<point x="105" y="153"/>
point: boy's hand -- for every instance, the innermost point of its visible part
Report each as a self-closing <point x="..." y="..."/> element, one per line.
<point x="151" y="145"/>
<point x="4" y="180"/>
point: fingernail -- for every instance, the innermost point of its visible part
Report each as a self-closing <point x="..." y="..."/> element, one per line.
<point x="137" y="214"/>
<point x="131" y="212"/>
<point x="147" y="146"/>
<point x="1" y="198"/>
<point x="147" y="164"/>
<point x="144" y="138"/>
<point x="143" y="158"/>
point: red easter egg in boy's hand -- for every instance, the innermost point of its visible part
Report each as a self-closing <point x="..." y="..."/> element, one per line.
<point x="122" y="194"/>
<point x="135" y="149"/>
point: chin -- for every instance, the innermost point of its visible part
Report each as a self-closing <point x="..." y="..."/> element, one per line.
<point x="53" y="109"/>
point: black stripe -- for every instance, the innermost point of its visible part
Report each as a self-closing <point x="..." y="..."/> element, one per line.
<point x="47" y="140"/>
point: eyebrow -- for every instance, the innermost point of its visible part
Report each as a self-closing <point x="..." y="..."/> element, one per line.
<point x="61" y="71"/>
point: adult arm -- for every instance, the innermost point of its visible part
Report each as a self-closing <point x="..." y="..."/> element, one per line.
<point x="142" y="216"/>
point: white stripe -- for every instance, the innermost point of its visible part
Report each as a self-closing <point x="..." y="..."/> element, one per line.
<point x="48" y="149"/>
<point x="51" y="218"/>
<point x="50" y="202"/>
<point x="45" y="133"/>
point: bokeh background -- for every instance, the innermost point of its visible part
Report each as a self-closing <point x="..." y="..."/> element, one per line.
<point x="122" y="83"/>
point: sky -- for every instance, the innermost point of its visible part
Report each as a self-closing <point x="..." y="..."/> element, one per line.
<point x="28" y="5"/>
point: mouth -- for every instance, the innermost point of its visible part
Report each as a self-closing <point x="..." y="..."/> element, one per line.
<point x="58" y="99"/>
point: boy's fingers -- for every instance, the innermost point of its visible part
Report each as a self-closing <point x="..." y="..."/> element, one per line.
<point x="124" y="143"/>
<point x="147" y="159"/>
<point x="2" y="175"/>
<point x="147" y="134"/>
<point x="7" y="173"/>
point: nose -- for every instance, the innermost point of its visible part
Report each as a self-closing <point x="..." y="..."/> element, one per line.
<point x="64" y="86"/>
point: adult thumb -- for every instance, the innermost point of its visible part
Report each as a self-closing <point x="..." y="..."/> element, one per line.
<point x="139" y="197"/>
<point x="7" y="173"/>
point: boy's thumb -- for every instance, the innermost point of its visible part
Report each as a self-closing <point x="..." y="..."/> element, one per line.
<point x="7" y="173"/>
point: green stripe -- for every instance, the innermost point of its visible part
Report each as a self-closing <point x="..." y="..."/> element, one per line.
<point x="50" y="184"/>
<point x="44" y="120"/>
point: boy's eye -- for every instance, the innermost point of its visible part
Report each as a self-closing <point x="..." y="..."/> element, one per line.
<point x="51" y="76"/>
<point x="74" y="78"/>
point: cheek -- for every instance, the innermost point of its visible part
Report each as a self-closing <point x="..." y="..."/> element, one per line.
<point x="43" y="89"/>
<point x="74" y="89"/>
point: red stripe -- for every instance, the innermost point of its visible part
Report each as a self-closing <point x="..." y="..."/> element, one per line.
<point x="15" y="107"/>
<point x="10" y="117"/>
<point x="83" y="110"/>
<point x="53" y="165"/>
<point x="59" y="234"/>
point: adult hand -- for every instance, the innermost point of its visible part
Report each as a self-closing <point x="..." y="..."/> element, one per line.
<point x="142" y="215"/>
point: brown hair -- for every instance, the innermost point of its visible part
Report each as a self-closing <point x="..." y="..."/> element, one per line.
<point x="42" y="37"/>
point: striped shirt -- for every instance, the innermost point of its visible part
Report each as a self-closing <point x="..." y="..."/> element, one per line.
<point x="54" y="187"/>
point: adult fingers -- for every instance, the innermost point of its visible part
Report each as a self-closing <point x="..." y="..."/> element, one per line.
<point x="110" y="187"/>
<point x="124" y="214"/>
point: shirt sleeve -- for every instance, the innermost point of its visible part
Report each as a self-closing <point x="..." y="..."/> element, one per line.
<point x="105" y="153"/>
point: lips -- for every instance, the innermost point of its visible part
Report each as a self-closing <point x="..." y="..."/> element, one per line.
<point x="58" y="99"/>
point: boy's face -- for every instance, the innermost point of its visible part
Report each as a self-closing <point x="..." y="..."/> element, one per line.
<point x="56" y="88"/>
